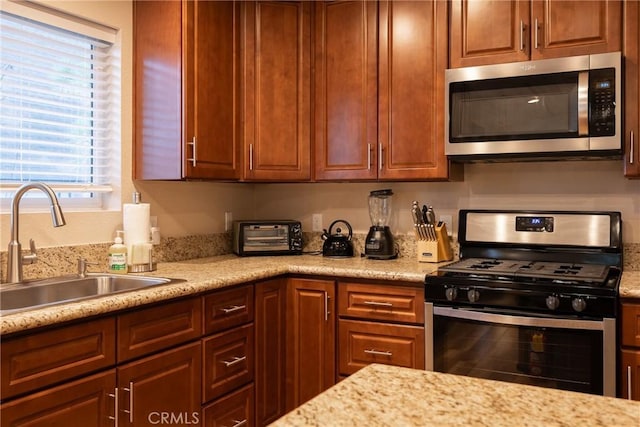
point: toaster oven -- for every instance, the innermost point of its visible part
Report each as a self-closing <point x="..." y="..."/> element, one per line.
<point x="265" y="237"/>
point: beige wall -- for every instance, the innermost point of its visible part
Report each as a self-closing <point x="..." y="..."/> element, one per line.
<point x="186" y="208"/>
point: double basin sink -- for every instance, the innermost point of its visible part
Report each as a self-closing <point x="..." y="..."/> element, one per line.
<point x="36" y="294"/>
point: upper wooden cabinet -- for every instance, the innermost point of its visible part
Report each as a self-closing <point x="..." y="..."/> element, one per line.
<point x="186" y="90"/>
<point x="497" y="31"/>
<point x="379" y="97"/>
<point x="276" y="91"/>
<point x="632" y="89"/>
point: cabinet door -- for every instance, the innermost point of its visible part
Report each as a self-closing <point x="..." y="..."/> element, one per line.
<point x="310" y="339"/>
<point x="631" y="139"/>
<point x="412" y="60"/>
<point x="212" y="35"/>
<point x="570" y="28"/>
<point x="82" y="403"/>
<point x="488" y="32"/>
<point x="276" y="90"/>
<point x="271" y="299"/>
<point x="167" y="382"/>
<point x="346" y="90"/>
<point x="630" y="325"/>
<point x="629" y="371"/>
<point x="157" y="101"/>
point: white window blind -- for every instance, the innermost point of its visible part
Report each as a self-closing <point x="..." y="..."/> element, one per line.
<point x="59" y="108"/>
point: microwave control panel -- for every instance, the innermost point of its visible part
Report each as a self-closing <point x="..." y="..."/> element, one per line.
<point x="602" y="102"/>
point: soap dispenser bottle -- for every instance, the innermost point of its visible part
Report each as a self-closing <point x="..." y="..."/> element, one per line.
<point x="118" y="255"/>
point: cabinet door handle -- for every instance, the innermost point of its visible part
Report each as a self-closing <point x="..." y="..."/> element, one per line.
<point x="631" y="148"/>
<point x="115" y="406"/>
<point x="130" y="410"/>
<point x="379" y="353"/>
<point x="521" y="35"/>
<point x="326" y="306"/>
<point x="193" y="146"/>
<point x="380" y="160"/>
<point x="629" y="388"/>
<point x="250" y="157"/>
<point x="234" y="361"/>
<point x="378" y="303"/>
<point x="535" y="34"/>
<point x="368" y="156"/>
<point x="233" y="309"/>
<point x="239" y="423"/>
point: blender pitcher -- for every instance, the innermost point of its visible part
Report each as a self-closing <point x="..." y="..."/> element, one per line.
<point x="379" y="243"/>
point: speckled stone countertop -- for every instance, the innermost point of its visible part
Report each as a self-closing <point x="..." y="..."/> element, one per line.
<point x="205" y="274"/>
<point x="380" y="395"/>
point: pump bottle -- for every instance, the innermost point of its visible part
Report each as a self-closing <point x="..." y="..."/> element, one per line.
<point x="118" y="255"/>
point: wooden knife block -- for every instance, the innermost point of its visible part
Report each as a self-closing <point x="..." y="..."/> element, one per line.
<point x="435" y="250"/>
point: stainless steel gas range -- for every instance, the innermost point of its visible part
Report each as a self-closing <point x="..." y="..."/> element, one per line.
<point x="532" y="300"/>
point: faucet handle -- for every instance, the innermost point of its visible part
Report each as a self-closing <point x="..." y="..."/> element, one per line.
<point x="32" y="257"/>
<point x="82" y="266"/>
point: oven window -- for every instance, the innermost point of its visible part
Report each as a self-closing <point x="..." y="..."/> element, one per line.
<point x="565" y="359"/>
<point x="517" y="108"/>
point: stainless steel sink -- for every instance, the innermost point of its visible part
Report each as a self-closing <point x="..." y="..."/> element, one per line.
<point x="36" y="294"/>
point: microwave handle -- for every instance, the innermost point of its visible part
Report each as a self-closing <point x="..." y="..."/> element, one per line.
<point x="583" y="103"/>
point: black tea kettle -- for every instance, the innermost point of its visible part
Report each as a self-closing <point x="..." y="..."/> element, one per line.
<point x="337" y="245"/>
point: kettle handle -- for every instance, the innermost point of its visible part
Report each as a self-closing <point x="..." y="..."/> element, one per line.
<point x="345" y="223"/>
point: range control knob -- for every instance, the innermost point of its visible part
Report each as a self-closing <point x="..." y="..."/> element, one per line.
<point x="578" y="304"/>
<point x="451" y="293"/>
<point x="553" y="302"/>
<point x="473" y="295"/>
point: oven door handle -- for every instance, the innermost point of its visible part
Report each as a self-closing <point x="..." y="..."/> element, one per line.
<point x="508" y="319"/>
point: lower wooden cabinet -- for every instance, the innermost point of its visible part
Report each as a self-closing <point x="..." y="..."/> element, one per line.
<point x="165" y="383"/>
<point x="234" y="409"/>
<point x="87" y="402"/>
<point x="629" y="356"/>
<point x="311" y="323"/>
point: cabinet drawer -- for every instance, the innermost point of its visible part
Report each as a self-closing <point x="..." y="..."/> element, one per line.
<point x="362" y="343"/>
<point x="631" y="325"/>
<point x="83" y="402"/>
<point x="235" y="409"/>
<point x="45" y="358"/>
<point x="381" y="302"/>
<point x="228" y="361"/>
<point x="229" y="308"/>
<point x="156" y="328"/>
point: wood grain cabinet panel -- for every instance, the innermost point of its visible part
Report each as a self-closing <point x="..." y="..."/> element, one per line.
<point x="629" y="355"/>
<point x="228" y="361"/>
<point x="630" y="325"/>
<point x="629" y="371"/>
<point x="228" y="308"/>
<point x="631" y="52"/>
<point x="44" y="358"/>
<point x="85" y="402"/>
<point x="234" y="409"/>
<point x="151" y="329"/>
<point x="379" y="302"/>
<point x="362" y="343"/>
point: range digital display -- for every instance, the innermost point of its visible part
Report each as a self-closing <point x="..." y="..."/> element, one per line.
<point x="534" y="223"/>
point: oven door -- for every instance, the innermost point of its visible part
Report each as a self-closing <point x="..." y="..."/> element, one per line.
<point x="566" y="354"/>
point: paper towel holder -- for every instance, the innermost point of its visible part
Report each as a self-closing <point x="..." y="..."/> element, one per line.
<point x="144" y="267"/>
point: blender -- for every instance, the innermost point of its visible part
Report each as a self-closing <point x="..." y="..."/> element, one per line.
<point x="379" y="243"/>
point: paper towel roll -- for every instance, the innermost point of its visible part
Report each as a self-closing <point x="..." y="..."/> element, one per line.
<point x="136" y="221"/>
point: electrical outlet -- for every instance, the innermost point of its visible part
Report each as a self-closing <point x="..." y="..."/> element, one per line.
<point x="228" y="221"/>
<point x="447" y="219"/>
<point x="316" y="222"/>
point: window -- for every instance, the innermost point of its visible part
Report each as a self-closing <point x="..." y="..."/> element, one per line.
<point x="59" y="106"/>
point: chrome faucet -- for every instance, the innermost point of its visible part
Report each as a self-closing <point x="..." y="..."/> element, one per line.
<point x="15" y="258"/>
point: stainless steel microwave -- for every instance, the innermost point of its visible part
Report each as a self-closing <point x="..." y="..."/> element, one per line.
<point x="552" y="108"/>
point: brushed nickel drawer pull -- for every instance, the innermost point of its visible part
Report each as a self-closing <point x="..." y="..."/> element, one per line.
<point x="378" y="304"/>
<point x="379" y="353"/>
<point x="239" y="423"/>
<point x="193" y="160"/>
<point x="115" y="406"/>
<point x="629" y="388"/>
<point x="631" y="148"/>
<point x="234" y="361"/>
<point x="233" y="309"/>
<point x="130" y="410"/>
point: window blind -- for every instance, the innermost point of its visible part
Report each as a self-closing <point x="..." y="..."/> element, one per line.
<point x="59" y="108"/>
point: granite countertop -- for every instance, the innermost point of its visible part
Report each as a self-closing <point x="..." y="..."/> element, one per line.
<point x="381" y="395"/>
<point x="206" y="274"/>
